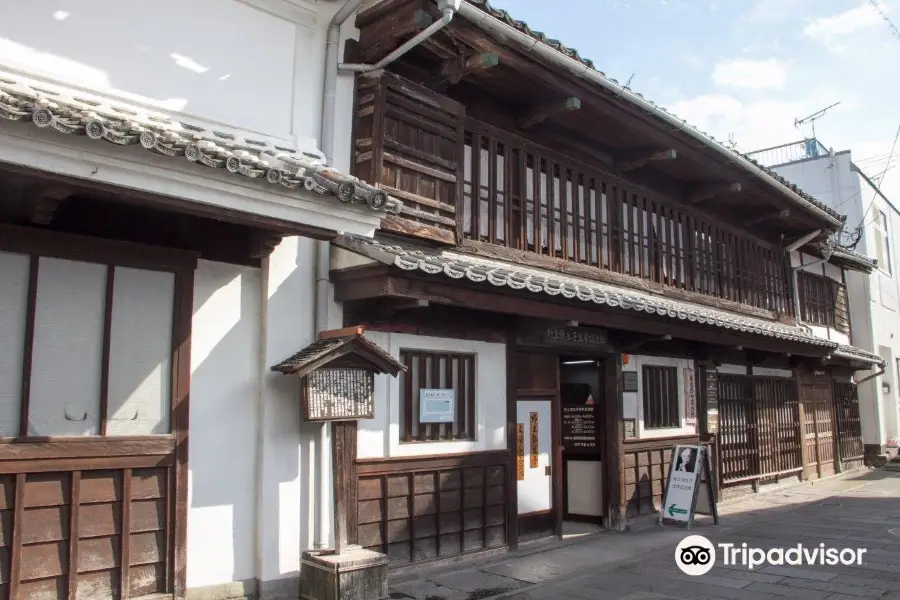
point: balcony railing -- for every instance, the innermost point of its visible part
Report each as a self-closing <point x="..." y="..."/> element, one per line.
<point x="788" y="153"/>
<point x="522" y="196"/>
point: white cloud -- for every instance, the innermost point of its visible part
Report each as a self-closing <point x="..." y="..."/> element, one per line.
<point x="757" y="74"/>
<point x="826" y="29"/>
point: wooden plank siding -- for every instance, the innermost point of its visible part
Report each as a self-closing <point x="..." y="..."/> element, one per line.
<point x="422" y="508"/>
<point x="408" y="141"/>
<point x="823" y="301"/>
<point x="849" y="430"/>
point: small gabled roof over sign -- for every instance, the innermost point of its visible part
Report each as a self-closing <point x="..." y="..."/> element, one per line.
<point x="75" y="113"/>
<point x="340" y="348"/>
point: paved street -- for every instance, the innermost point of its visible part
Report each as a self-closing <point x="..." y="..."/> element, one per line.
<point x="855" y="512"/>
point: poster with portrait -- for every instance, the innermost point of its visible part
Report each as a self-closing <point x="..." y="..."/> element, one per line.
<point x="688" y="465"/>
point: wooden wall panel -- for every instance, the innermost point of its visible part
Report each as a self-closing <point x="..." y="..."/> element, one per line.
<point x="87" y="533"/>
<point x="425" y="508"/>
<point x="646" y="469"/>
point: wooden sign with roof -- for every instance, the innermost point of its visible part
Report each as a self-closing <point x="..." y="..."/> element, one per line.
<point x="338" y="372"/>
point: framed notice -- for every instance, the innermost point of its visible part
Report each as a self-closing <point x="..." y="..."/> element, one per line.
<point x="339" y="394"/>
<point x="437" y="406"/>
<point x="629" y="381"/>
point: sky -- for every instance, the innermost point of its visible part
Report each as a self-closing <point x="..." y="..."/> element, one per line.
<point x="746" y="69"/>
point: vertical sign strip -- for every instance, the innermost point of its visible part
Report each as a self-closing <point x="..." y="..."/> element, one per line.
<point x="690" y="397"/>
<point x="533" y="463"/>
<point x="520" y="451"/>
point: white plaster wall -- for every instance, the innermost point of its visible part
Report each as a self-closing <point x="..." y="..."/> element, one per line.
<point x="380" y="437"/>
<point x="224" y="391"/>
<point x="251" y="67"/>
<point x="633" y="405"/>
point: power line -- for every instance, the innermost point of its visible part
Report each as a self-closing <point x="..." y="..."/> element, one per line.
<point x="862" y="222"/>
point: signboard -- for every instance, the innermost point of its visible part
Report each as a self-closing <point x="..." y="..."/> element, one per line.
<point x="712" y="421"/>
<point x="690" y="397"/>
<point x="579" y="428"/>
<point x="686" y="477"/>
<point x="533" y="459"/>
<point x="574" y="337"/>
<point x="437" y="406"/>
<point x="630" y="425"/>
<point x="520" y="451"/>
<point x="712" y="390"/>
<point x="629" y="381"/>
<point x="339" y="395"/>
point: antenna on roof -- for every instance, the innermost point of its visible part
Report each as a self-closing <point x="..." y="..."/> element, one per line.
<point x="628" y="83"/>
<point x="732" y="143"/>
<point x="812" y="118"/>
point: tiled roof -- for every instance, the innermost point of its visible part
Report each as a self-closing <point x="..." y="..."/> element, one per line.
<point x="314" y="355"/>
<point x="124" y="125"/>
<point x="572" y="53"/>
<point x="859" y="354"/>
<point x="461" y="266"/>
<point x="852" y="256"/>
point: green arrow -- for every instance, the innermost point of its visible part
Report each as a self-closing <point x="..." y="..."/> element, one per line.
<point x="673" y="511"/>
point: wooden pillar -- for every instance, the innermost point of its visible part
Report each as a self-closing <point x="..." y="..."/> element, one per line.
<point x="343" y="452"/>
<point x="614" y="455"/>
<point x="512" y="495"/>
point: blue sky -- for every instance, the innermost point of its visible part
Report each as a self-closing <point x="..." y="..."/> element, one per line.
<point x="748" y="68"/>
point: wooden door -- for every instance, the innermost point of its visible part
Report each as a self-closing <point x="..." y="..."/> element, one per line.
<point x="818" y="428"/>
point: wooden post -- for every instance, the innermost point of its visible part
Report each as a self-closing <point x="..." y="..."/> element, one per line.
<point x="343" y="453"/>
<point x="614" y="458"/>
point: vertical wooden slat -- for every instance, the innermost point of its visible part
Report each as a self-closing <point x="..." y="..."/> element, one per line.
<point x="15" y="565"/>
<point x="34" y="262"/>
<point x="73" y="535"/>
<point x="564" y="220"/>
<point x="436" y="428"/>
<point x="536" y="202"/>
<point x="423" y="384"/>
<point x="408" y="358"/>
<point x="523" y="199"/>
<point x="506" y="177"/>
<point x="470" y="396"/>
<point x="170" y="538"/>
<point x="476" y="186"/>
<point x="602" y="217"/>
<point x="551" y="208"/>
<point x="492" y="190"/>
<point x="461" y="409"/>
<point x="574" y="179"/>
<point x="125" y="538"/>
<point x="642" y="250"/>
<point x="107" y="334"/>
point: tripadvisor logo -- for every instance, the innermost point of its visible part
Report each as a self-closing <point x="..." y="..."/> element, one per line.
<point x="696" y="555"/>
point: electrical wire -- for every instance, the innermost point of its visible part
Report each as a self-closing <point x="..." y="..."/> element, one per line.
<point x="881" y="177"/>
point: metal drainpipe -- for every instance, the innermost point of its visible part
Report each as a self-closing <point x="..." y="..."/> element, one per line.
<point x="448" y="8"/>
<point x="322" y="531"/>
<point x="323" y="248"/>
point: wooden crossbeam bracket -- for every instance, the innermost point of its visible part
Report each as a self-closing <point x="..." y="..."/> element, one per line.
<point x="263" y="243"/>
<point x="634" y="344"/>
<point x="42" y="204"/>
<point x="541" y="113"/>
<point x="781" y="214"/>
<point x="705" y="192"/>
<point x="454" y="70"/>
<point x="631" y="165"/>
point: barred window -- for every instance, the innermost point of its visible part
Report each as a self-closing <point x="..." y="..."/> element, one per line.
<point x="661" y="398"/>
<point x="823" y="301"/>
<point x="431" y="370"/>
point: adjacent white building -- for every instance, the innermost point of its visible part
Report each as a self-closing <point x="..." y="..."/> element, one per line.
<point x="105" y="107"/>
<point x="872" y="219"/>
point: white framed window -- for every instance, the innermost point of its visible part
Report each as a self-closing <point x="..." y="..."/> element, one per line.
<point x="882" y="242"/>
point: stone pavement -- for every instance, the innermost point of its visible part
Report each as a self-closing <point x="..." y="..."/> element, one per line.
<point x="856" y="511"/>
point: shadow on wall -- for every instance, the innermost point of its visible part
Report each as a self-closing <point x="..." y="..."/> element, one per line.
<point x="225" y="387"/>
<point x="155" y="50"/>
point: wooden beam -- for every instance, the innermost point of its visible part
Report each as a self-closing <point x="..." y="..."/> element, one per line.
<point x="781" y="214"/>
<point x="631" y="165"/>
<point x="614" y="451"/>
<point x="705" y="192"/>
<point x="540" y="113"/>
<point x="454" y="70"/>
<point x="43" y="202"/>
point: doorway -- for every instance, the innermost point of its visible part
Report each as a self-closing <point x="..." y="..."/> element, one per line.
<point x="534" y="468"/>
<point x="582" y="422"/>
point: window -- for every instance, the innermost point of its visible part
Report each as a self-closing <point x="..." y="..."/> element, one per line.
<point x="882" y="242"/>
<point x="427" y="370"/>
<point x="661" y="398"/>
<point x="823" y="301"/>
<point x="87" y="348"/>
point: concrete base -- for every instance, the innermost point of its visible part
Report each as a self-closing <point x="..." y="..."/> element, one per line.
<point x="357" y="574"/>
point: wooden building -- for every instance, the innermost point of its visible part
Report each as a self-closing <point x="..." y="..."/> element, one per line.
<point x="594" y="279"/>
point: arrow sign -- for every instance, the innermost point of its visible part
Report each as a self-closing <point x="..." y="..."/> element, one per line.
<point x="672" y="510"/>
